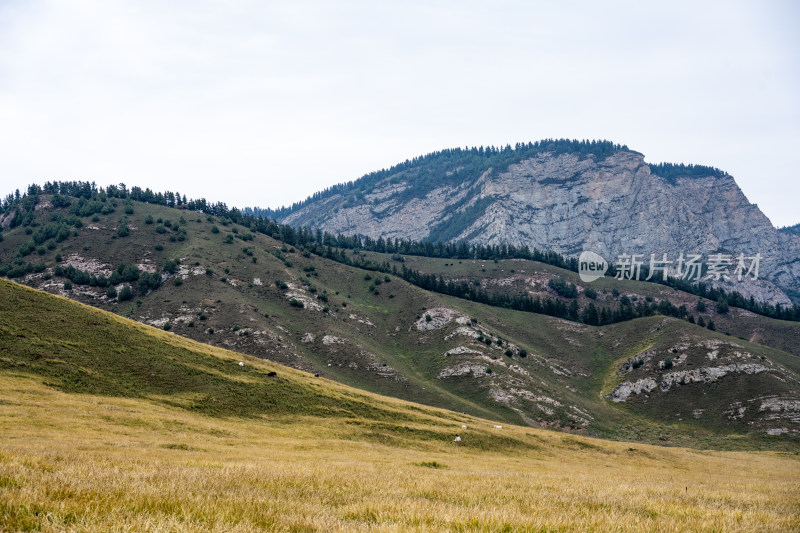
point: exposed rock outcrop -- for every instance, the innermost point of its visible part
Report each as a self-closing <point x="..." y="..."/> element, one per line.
<point x="570" y="202"/>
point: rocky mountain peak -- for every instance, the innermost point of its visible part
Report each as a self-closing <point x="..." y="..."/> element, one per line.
<point x="567" y="197"/>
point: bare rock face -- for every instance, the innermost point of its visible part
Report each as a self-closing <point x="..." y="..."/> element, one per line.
<point x="570" y="202"/>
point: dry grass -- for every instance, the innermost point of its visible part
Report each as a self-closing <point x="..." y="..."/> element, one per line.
<point x="73" y="462"/>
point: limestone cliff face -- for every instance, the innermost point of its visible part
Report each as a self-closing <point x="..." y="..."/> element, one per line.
<point x="571" y="202"/>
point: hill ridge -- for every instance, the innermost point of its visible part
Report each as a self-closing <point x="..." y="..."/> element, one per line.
<point x="214" y="280"/>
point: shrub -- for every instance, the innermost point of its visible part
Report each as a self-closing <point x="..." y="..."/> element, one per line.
<point x="428" y="318"/>
<point x="67" y="285"/>
<point x="296" y="303"/>
<point x="178" y="281"/>
<point x="563" y="288"/>
<point x="590" y="293"/>
<point x="125" y="294"/>
<point x="523" y="352"/>
<point x="148" y="219"/>
<point x="27" y="248"/>
<point x="111" y="292"/>
<point x="148" y="282"/>
<point x="214" y="229"/>
<point x="668" y="363"/>
<point x="167" y="326"/>
<point x="281" y="284"/>
<point x="171" y="266"/>
<point x="122" y="228"/>
<point x="508" y="352"/>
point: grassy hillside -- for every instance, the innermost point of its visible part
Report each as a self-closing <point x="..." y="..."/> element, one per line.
<point x="515" y="276"/>
<point x="186" y="448"/>
<point x="225" y="286"/>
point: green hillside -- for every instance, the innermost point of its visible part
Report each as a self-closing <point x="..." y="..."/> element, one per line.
<point x="208" y="279"/>
<point x="78" y="349"/>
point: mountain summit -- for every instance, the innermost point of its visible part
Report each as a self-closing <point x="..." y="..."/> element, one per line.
<point x="566" y="197"/>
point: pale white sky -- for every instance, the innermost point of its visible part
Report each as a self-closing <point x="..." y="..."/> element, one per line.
<point x="263" y="103"/>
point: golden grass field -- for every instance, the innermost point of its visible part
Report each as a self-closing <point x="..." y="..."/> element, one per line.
<point x="180" y="437"/>
<point x="86" y="463"/>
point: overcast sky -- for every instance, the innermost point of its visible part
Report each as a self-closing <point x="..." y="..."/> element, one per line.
<point x="263" y="103"/>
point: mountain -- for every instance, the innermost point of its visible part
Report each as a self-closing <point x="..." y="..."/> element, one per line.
<point x="111" y="425"/>
<point x="792" y="230"/>
<point x="563" y="196"/>
<point x="356" y="317"/>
